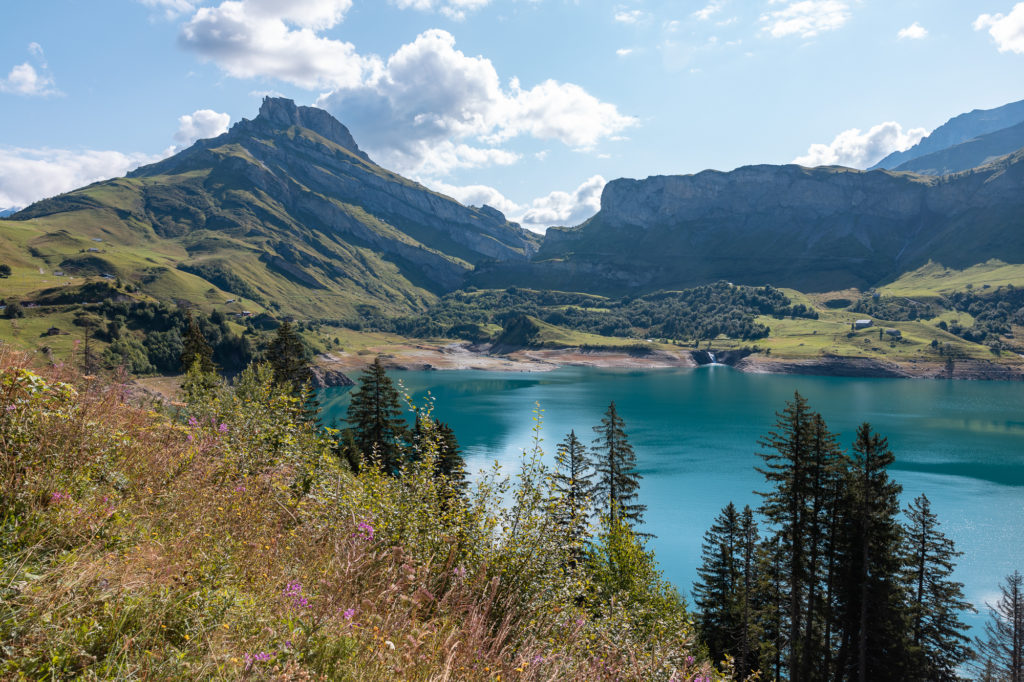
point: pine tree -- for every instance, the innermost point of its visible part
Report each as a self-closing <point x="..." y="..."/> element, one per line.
<point x="375" y="416"/>
<point x="788" y="462"/>
<point x="746" y="642"/>
<point x="718" y="587"/>
<point x="1003" y="645"/>
<point x="937" y="633"/>
<point x="195" y="348"/>
<point x="872" y="615"/>
<point x="572" y="484"/>
<point x="618" y="480"/>
<point x="347" y="451"/>
<point x="289" y="358"/>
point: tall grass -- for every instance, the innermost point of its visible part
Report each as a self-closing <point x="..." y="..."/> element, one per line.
<point x="220" y="539"/>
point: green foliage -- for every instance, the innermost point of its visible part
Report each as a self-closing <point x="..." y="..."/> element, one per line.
<point x="1001" y="648"/>
<point x="572" y="483"/>
<point x="14" y="310"/>
<point x="130" y="353"/>
<point x="5" y="270"/>
<point x="195" y="349"/>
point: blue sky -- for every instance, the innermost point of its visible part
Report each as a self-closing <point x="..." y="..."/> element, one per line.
<point x="529" y="105"/>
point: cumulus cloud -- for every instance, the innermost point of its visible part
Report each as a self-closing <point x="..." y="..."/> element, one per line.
<point x="264" y="38"/>
<point x="425" y="110"/>
<point x="623" y="51"/>
<point x="806" y="18"/>
<point x="855" y="149"/>
<point x="453" y="9"/>
<point x="913" y="32"/>
<point x="431" y="100"/>
<point x="28" y="175"/>
<point x="200" y="125"/>
<point x="556" y="208"/>
<point x="1006" y="30"/>
<point x="30" y="79"/>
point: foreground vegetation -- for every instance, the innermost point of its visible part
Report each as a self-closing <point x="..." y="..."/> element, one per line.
<point x="222" y="538"/>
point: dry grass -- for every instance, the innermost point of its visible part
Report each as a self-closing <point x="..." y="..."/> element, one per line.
<point x="134" y="547"/>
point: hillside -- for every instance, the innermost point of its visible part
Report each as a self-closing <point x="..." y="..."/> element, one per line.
<point x="283" y="211"/>
<point x="811" y="229"/>
<point x="957" y="130"/>
<point x="970" y="154"/>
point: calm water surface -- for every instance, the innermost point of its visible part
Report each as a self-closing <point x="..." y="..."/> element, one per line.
<point x="695" y="433"/>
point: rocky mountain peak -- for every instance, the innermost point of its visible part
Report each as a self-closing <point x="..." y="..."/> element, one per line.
<point x="278" y="113"/>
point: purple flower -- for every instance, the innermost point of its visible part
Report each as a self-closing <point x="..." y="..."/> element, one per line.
<point x="10" y="408"/>
<point x="223" y="428"/>
<point x="192" y="421"/>
<point x="191" y="438"/>
<point x="690" y="660"/>
<point x="239" y="488"/>
<point x="59" y="497"/>
<point x="349" y="613"/>
<point x="365" y="530"/>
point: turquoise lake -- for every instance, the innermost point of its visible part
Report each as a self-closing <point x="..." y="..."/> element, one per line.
<point x="695" y="432"/>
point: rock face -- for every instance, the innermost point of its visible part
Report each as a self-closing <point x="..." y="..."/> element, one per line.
<point x="813" y="229"/>
<point x="289" y="203"/>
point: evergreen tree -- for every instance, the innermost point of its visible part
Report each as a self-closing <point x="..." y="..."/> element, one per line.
<point x="618" y="479"/>
<point x="195" y="348"/>
<point x="718" y="587"/>
<point x="1003" y="645"/>
<point x="572" y="484"/>
<point x="289" y="358"/>
<point x="788" y="463"/>
<point x="935" y="600"/>
<point x="429" y="433"/>
<point x="872" y="616"/>
<point x="375" y="416"/>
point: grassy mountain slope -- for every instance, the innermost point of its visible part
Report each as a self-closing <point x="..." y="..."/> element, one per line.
<point x="283" y="211"/>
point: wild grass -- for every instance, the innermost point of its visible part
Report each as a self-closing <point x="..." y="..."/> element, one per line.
<point x="222" y="540"/>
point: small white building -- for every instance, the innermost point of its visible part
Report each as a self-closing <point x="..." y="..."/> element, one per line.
<point x="862" y="324"/>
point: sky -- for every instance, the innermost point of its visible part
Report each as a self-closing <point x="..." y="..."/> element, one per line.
<point x="527" y="105"/>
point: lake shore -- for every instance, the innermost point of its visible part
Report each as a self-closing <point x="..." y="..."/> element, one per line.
<point x="465" y="356"/>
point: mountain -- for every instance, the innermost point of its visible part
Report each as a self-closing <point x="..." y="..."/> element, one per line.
<point x="8" y="212"/>
<point x="813" y="229"/>
<point x="283" y="210"/>
<point x="958" y="130"/>
<point x="970" y="154"/>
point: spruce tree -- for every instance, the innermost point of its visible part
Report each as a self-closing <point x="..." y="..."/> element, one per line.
<point x="195" y="348"/>
<point x="375" y="417"/>
<point x="429" y="433"/>
<point x="934" y="599"/>
<point x="572" y="484"/>
<point x="617" y="478"/>
<point x="289" y="358"/>
<point x="1002" y="647"/>
<point x="718" y="587"/>
<point x="872" y="615"/>
<point x="788" y="463"/>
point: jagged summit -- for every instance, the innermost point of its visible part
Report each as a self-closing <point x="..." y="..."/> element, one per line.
<point x="279" y="113"/>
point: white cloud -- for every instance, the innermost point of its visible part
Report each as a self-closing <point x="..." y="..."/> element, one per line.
<point x="453" y="9"/>
<point x="199" y="125"/>
<point x="913" y="32"/>
<point x="711" y="8"/>
<point x="556" y="208"/>
<point x="252" y="38"/>
<point x="633" y="16"/>
<point x="27" y="79"/>
<point x="806" y="18"/>
<point x="855" y="149"/>
<point x="28" y="175"/>
<point x="171" y="8"/>
<point x="623" y="51"/>
<point x="1007" y="31"/>
<point x="431" y="101"/>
